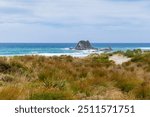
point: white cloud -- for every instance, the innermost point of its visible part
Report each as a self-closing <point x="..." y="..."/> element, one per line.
<point x="78" y="12"/>
<point x="73" y="17"/>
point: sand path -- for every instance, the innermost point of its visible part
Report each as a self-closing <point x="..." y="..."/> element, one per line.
<point x="119" y="59"/>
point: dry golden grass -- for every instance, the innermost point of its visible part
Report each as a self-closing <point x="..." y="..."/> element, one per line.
<point x="65" y="77"/>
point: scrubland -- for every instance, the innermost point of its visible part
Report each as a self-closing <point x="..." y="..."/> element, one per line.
<point x="68" y="78"/>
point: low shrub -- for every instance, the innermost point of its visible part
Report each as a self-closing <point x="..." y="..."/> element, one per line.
<point x="4" y="67"/>
<point x="129" y="53"/>
<point x="50" y="79"/>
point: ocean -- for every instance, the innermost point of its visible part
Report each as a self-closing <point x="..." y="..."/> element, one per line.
<point x="51" y="49"/>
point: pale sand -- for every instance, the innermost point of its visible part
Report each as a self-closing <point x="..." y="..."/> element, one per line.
<point x="119" y="59"/>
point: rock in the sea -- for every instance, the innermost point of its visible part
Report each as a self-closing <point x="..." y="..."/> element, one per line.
<point x="106" y="49"/>
<point x="84" y="45"/>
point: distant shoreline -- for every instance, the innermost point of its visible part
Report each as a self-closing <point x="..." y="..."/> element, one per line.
<point x="58" y="49"/>
<point x="64" y="54"/>
<point x="49" y="55"/>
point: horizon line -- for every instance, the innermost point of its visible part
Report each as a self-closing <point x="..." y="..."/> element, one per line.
<point x="69" y="42"/>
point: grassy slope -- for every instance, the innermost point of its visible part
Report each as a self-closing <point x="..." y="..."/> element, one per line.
<point x="93" y="77"/>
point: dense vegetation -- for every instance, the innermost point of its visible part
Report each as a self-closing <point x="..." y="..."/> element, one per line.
<point x="65" y="77"/>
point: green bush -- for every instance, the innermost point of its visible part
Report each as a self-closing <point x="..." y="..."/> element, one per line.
<point x="103" y="58"/>
<point x="49" y="79"/>
<point x="133" y="53"/>
<point x="129" y="53"/>
<point x="4" y="67"/>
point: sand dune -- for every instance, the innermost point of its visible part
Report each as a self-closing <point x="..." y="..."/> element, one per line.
<point x="119" y="59"/>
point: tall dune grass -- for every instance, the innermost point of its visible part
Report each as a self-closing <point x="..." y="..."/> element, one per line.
<point x="66" y="77"/>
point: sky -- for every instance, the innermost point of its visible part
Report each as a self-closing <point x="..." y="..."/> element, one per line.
<point x="57" y="21"/>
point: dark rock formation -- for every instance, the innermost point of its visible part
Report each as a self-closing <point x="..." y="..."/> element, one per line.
<point x="106" y="49"/>
<point x="84" y="45"/>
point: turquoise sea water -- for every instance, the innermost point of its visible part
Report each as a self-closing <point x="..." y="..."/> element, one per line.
<point x="49" y="49"/>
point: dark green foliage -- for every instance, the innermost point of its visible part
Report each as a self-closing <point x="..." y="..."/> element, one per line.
<point x="4" y="67"/>
<point x="119" y="52"/>
<point x="103" y="58"/>
<point x="133" y="53"/>
<point x="49" y="79"/>
<point x="129" y="53"/>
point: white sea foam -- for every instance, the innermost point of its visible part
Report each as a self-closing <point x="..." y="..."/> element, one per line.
<point x="145" y="48"/>
<point x="66" y="48"/>
<point x="74" y="53"/>
<point x="77" y="53"/>
<point x="59" y="54"/>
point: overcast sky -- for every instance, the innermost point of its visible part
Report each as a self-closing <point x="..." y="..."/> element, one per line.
<point x="74" y="20"/>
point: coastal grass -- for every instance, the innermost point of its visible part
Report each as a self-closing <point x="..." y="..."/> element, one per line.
<point x="66" y="77"/>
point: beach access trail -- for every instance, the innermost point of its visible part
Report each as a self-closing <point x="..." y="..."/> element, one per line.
<point x="119" y="59"/>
